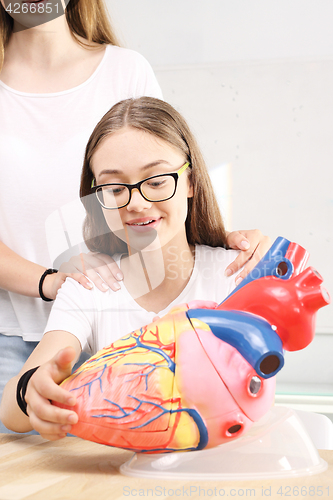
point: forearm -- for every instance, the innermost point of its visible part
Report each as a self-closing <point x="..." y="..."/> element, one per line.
<point x="18" y="274"/>
<point x="10" y="413"/>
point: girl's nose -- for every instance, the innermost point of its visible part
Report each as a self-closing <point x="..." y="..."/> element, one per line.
<point x="138" y="203"/>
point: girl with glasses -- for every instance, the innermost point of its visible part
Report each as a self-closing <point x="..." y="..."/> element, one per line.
<point x="149" y="203"/>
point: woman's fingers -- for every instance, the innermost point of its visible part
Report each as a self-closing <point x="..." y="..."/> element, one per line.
<point x="237" y="241"/>
<point x="248" y="262"/>
<point x="259" y="245"/>
<point x="101" y="270"/>
<point x="104" y="272"/>
<point x="238" y="263"/>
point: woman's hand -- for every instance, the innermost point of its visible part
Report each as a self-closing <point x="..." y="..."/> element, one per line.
<point x="253" y="244"/>
<point x="101" y="270"/>
<point x="50" y="421"/>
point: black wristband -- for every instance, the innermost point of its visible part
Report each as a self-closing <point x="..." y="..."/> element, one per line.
<point x="22" y="389"/>
<point x="41" y="281"/>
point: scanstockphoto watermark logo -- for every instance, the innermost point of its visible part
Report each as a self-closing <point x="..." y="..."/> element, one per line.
<point x="195" y="491"/>
<point x="32" y="13"/>
<point x="191" y="491"/>
<point x="187" y="492"/>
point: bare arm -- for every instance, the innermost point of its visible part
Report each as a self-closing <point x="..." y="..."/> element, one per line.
<point x="18" y="274"/>
<point x="55" y="354"/>
<point x="21" y="276"/>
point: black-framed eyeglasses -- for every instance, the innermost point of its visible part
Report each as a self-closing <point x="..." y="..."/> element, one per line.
<point x="160" y="187"/>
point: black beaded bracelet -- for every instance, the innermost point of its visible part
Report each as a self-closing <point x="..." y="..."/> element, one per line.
<point x="22" y="389"/>
<point x="41" y="281"/>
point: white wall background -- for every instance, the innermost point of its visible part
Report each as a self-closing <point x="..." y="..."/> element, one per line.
<point x="176" y="32"/>
<point x="255" y="81"/>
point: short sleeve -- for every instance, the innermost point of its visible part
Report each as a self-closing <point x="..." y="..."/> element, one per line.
<point x="74" y="311"/>
<point x="147" y="83"/>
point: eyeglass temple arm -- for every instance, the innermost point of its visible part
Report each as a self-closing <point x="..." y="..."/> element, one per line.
<point x="183" y="168"/>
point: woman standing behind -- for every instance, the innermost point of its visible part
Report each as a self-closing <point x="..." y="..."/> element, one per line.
<point x="57" y="80"/>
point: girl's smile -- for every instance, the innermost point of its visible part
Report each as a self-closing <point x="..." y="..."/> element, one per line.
<point x="144" y="223"/>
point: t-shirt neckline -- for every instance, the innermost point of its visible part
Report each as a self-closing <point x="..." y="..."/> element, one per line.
<point x="177" y="300"/>
<point x="63" y="92"/>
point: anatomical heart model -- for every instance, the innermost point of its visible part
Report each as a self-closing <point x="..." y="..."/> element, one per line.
<point x="199" y="377"/>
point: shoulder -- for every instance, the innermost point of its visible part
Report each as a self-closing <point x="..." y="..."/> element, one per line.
<point x="120" y="55"/>
<point x="70" y="286"/>
<point x="130" y="72"/>
<point x="71" y="292"/>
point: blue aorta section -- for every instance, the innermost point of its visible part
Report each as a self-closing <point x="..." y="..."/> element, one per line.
<point x="269" y="264"/>
<point x="253" y="337"/>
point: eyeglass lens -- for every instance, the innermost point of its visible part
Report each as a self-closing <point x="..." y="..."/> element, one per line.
<point x="155" y="189"/>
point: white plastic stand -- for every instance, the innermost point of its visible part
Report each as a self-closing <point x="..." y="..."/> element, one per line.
<point x="278" y="446"/>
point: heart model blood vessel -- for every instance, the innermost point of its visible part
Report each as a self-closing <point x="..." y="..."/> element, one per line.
<point x="199" y="377"/>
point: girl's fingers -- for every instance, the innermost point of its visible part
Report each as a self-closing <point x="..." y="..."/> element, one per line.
<point x="49" y="420"/>
<point x="44" y="382"/>
<point x="51" y="392"/>
<point x="49" y="429"/>
<point x="61" y="364"/>
<point x="41" y="409"/>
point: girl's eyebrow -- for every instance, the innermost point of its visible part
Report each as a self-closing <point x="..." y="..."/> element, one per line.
<point x="145" y="167"/>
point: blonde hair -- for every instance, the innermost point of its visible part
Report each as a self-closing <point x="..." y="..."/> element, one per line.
<point x="86" y="18"/>
<point x="204" y="225"/>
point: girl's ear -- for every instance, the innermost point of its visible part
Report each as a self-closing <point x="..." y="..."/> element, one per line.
<point x="190" y="190"/>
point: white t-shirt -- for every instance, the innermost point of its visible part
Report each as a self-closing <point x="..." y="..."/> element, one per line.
<point x="42" y="143"/>
<point x="99" y="318"/>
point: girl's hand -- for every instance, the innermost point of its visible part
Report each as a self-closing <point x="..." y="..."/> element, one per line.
<point x="101" y="270"/>
<point x="50" y="421"/>
<point x="253" y="244"/>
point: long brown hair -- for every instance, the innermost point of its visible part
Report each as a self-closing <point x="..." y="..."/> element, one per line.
<point x="204" y="225"/>
<point x="86" y="18"/>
